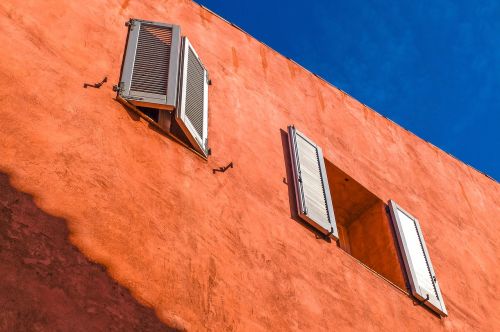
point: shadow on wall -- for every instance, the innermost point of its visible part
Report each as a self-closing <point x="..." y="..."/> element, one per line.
<point x="151" y="116"/>
<point x="46" y="284"/>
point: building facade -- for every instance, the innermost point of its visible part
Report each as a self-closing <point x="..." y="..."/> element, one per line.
<point x="109" y="221"/>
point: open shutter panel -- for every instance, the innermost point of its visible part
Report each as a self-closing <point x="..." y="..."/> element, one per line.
<point x="423" y="282"/>
<point x="192" y="113"/>
<point x="311" y="184"/>
<point x="151" y="66"/>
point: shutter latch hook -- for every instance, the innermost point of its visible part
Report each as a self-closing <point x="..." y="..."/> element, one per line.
<point x="222" y="169"/>
<point x="96" y="85"/>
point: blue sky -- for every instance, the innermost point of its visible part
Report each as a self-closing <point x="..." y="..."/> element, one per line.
<point x="431" y="66"/>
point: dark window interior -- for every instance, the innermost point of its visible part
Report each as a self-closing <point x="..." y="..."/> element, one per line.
<point x="152" y="113"/>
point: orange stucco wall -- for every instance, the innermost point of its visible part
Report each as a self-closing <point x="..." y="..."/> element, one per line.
<point x="221" y="251"/>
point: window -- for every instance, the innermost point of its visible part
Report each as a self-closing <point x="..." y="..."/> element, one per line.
<point x="164" y="80"/>
<point x="339" y="207"/>
<point x="423" y="283"/>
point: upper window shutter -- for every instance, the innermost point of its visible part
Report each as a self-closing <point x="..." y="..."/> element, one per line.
<point x="151" y="66"/>
<point x="423" y="283"/>
<point x="312" y="192"/>
<point x="192" y="113"/>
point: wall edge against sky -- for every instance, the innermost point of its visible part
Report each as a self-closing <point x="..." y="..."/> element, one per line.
<point x="342" y="91"/>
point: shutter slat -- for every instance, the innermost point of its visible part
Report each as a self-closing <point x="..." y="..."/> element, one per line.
<point x="423" y="282"/>
<point x="195" y="92"/>
<point x="152" y="59"/>
<point x="311" y="184"/>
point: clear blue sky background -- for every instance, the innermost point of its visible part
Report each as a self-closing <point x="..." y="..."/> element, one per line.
<point x="431" y="66"/>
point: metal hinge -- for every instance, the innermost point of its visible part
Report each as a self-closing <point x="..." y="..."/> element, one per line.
<point x="130" y="23"/>
<point x="118" y="87"/>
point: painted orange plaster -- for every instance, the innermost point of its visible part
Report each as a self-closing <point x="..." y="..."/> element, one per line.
<point x="220" y="251"/>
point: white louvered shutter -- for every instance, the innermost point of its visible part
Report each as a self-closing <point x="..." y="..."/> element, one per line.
<point x="311" y="184"/>
<point x="423" y="283"/>
<point x="192" y="113"/>
<point x="150" y="69"/>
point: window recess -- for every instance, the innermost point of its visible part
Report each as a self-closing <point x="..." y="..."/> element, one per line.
<point x="336" y="205"/>
<point x="164" y="80"/>
<point x="364" y="226"/>
<point x="421" y="276"/>
<point x="384" y="238"/>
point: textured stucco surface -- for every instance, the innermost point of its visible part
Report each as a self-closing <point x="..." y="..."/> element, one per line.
<point x="221" y="252"/>
<point x="46" y="284"/>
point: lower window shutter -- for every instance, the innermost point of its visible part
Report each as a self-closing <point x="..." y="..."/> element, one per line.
<point x="150" y="69"/>
<point x="423" y="283"/>
<point x="312" y="191"/>
<point x="192" y="113"/>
